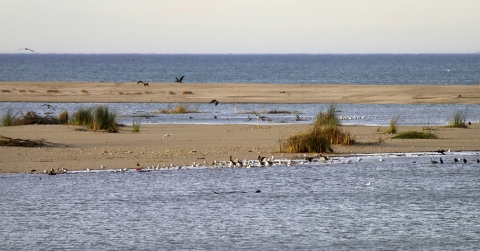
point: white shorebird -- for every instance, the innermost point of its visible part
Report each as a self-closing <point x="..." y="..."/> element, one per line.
<point x="166" y="135"/>
<point x="367" y="184"/>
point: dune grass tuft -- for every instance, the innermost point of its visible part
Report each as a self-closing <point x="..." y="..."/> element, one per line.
<point x="83" y="116"/>
<point x="9" y="117"/>
<point x="325" y="131"/>
<point x="63" y="117"/>
<point x="458" y="120"/>
<point x="103" y="119"/>
<point x="136" y="125"/>
<point x="187" y="92"/>
<point x="52" y="91"/>
<point x="416" y="135"/>
<point x="178" y="110"/>
<point x="393" y="127"/>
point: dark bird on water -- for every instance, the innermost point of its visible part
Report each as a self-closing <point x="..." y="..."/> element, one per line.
<point x="144" y="83"/>
<point x="214" y="101"/>
<point x="455" y="159"/>
<point x="49" y="106"/>
<point x="441" y="161"/>
<point x="464" y="161"/>
<point x="26" y="49"/>
<point x="179" y="80"/>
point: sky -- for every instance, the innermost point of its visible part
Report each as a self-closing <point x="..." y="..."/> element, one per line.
<point x="240" y="26"/>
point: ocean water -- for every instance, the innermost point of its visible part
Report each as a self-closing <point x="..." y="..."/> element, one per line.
<point x="304" y="68"/>
<point x="409" y="204"/>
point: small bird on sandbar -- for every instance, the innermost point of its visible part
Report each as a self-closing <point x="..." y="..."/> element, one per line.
<point x="215" y="102"/>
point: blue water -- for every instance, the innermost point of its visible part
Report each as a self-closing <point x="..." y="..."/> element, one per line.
<point x="350" y="114"/>
<point x="311" y="69"/>
<point x="410" y="204"/>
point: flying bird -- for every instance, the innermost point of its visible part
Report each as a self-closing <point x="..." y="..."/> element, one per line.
<point x="214" y="101"/>
<point x="26" y="49"/>
<point x="49" y="106"/>
<point x="179" y="80"/>
<point x="144" y="83"/>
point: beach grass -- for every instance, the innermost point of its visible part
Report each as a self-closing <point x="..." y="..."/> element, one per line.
<point x="416" y="135"/>
<point x="9" y="117"/>
<point x="53" y="91"/>
<point x="83" y="116"/>
<point x="179" y="109"/>
<point x="458" y="120"/>
<point x="136" y="125"/>
<point x="324" y="132"/>
<point x="393" y="127"/>
<point x="104" y="119"/>
<point x="187" y="92"/>
<point x="63" y="117"/>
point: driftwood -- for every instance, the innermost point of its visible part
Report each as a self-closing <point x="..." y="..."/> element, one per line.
<point x="30" y="118"/>
<point x="6" y="141"/>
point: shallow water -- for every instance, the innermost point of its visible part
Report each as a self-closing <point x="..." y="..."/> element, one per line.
<point x="306" y="206"/>
<point x="352" y="114"/>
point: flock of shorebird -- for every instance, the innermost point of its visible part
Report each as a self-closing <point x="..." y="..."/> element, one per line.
<point x="259" y="162"/>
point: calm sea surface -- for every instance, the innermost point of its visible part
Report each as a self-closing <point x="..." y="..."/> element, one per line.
<point x="312" y="69"/>
<point x="410" y="203"/>
<point x="407" y="206"/>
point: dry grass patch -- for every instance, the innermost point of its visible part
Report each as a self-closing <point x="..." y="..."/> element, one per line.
<point x="22" y="91"/>
<point x="84" y="91"/>
<point x="5" y="91"/>
<point x="31" y="90"/>
<point x="171" y="93"/>
<point x="52" y="91"/>
<point x="187" y="92"/>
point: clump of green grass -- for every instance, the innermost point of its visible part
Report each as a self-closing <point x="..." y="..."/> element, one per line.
<point x="136" y="125"/>
<point x="416" y="135"/>
<point x="103" y="119"/>
<point x="393" y="127"/>
<point x="8" y="119"/>
<point x="325" y="131"/>
<point x="83" y="116"/>
<point x="178" y="110"/>
<point x="458" y="119"/>
<point x="63" y="117"/>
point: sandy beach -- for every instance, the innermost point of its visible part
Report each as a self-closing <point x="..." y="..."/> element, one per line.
<point x="79" y="150"/>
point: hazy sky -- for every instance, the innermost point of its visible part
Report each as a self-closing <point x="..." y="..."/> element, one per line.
<point x="240" y="26"/>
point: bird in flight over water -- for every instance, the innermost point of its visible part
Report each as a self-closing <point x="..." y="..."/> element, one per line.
<point x="26" y="49"/>
<point x="179" y="80"/>
<point x="49" y="106"/>
<point x="214" y="101"/>
<point x="144" y="83"/>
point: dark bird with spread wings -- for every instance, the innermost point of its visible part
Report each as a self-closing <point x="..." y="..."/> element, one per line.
<point x="49" y="106"/>
<point x="144" y="83"/>
<point x="179" y="80"/>
<point x="215" y="102"/>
